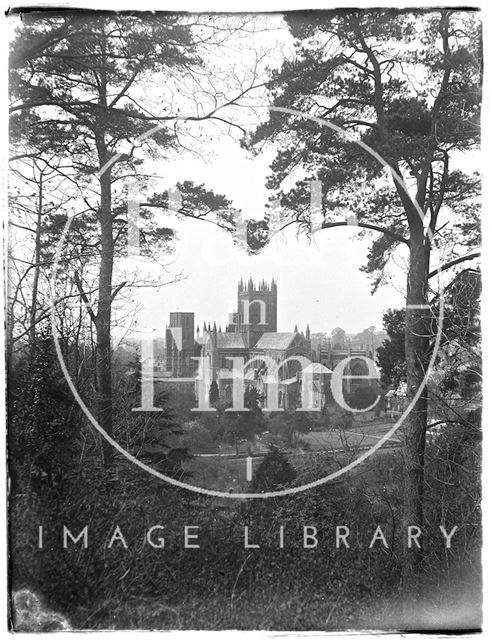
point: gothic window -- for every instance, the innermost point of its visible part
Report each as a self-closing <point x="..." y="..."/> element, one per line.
<point x="358" y="369"/>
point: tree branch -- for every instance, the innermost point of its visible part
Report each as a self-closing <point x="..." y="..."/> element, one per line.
<point x="367" y="225"/>
<point x="452" y="263"/>
<point x="84" y="297"/>
<point x="118" y="289"/>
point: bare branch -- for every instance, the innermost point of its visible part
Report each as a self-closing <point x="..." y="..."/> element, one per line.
<point x="453" y="263"/>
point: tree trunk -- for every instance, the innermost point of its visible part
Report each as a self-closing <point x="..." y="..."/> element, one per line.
<point x="37" y="259"/>
<point x="417" y="340"/>
<point x="103" y="324"/>
<point x="103" y="318"/>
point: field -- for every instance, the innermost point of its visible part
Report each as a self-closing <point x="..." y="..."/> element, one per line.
<point x="328" y="450"/>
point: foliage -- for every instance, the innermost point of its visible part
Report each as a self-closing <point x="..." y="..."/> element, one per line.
<point x="362" y="397"/>
<point x="55" y="57"/>
<point x="213" y="394"/>
<point x="247" y="424"/>
<point x="391" y="355"/>
<point x="141" y="587"/>
<point x="358" y="70"/>
<point x="197" y="438"/>
<point x="343" y="72"/>
<point x="274" y="472"/>
<point x="44" y="432"/>
<point x="460" y="358"/>
<point x="77" y="81"/>
<point x="458" y="365"/>
<point x="59" y="64"/>
<point x="151" y="437"/>
<point x="290" y="425"/>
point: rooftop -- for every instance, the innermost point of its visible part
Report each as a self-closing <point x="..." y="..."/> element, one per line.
<point x="275" y="340"/>
<point x="231" y="341"/>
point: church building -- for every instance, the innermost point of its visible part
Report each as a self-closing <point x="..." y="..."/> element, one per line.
<point x="252" y="335"/>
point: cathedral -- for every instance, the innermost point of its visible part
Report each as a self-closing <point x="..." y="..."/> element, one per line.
<point x="251" y="333"/>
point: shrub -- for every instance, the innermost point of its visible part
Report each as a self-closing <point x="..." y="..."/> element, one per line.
<point x="362" y="397"/>
<point x="273" y="473"/>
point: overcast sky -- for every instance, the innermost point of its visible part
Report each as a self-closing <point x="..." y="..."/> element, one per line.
<point x="319" y="283"/>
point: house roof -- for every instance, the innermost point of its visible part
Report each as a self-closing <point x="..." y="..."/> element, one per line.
<point x="275" y="340"/>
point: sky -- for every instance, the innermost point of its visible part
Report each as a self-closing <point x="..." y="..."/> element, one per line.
<point x="319" y="282"/>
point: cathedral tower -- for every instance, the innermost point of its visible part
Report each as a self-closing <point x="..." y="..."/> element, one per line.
<point x="180" y="343"/>
<point x="256" y="309"/>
